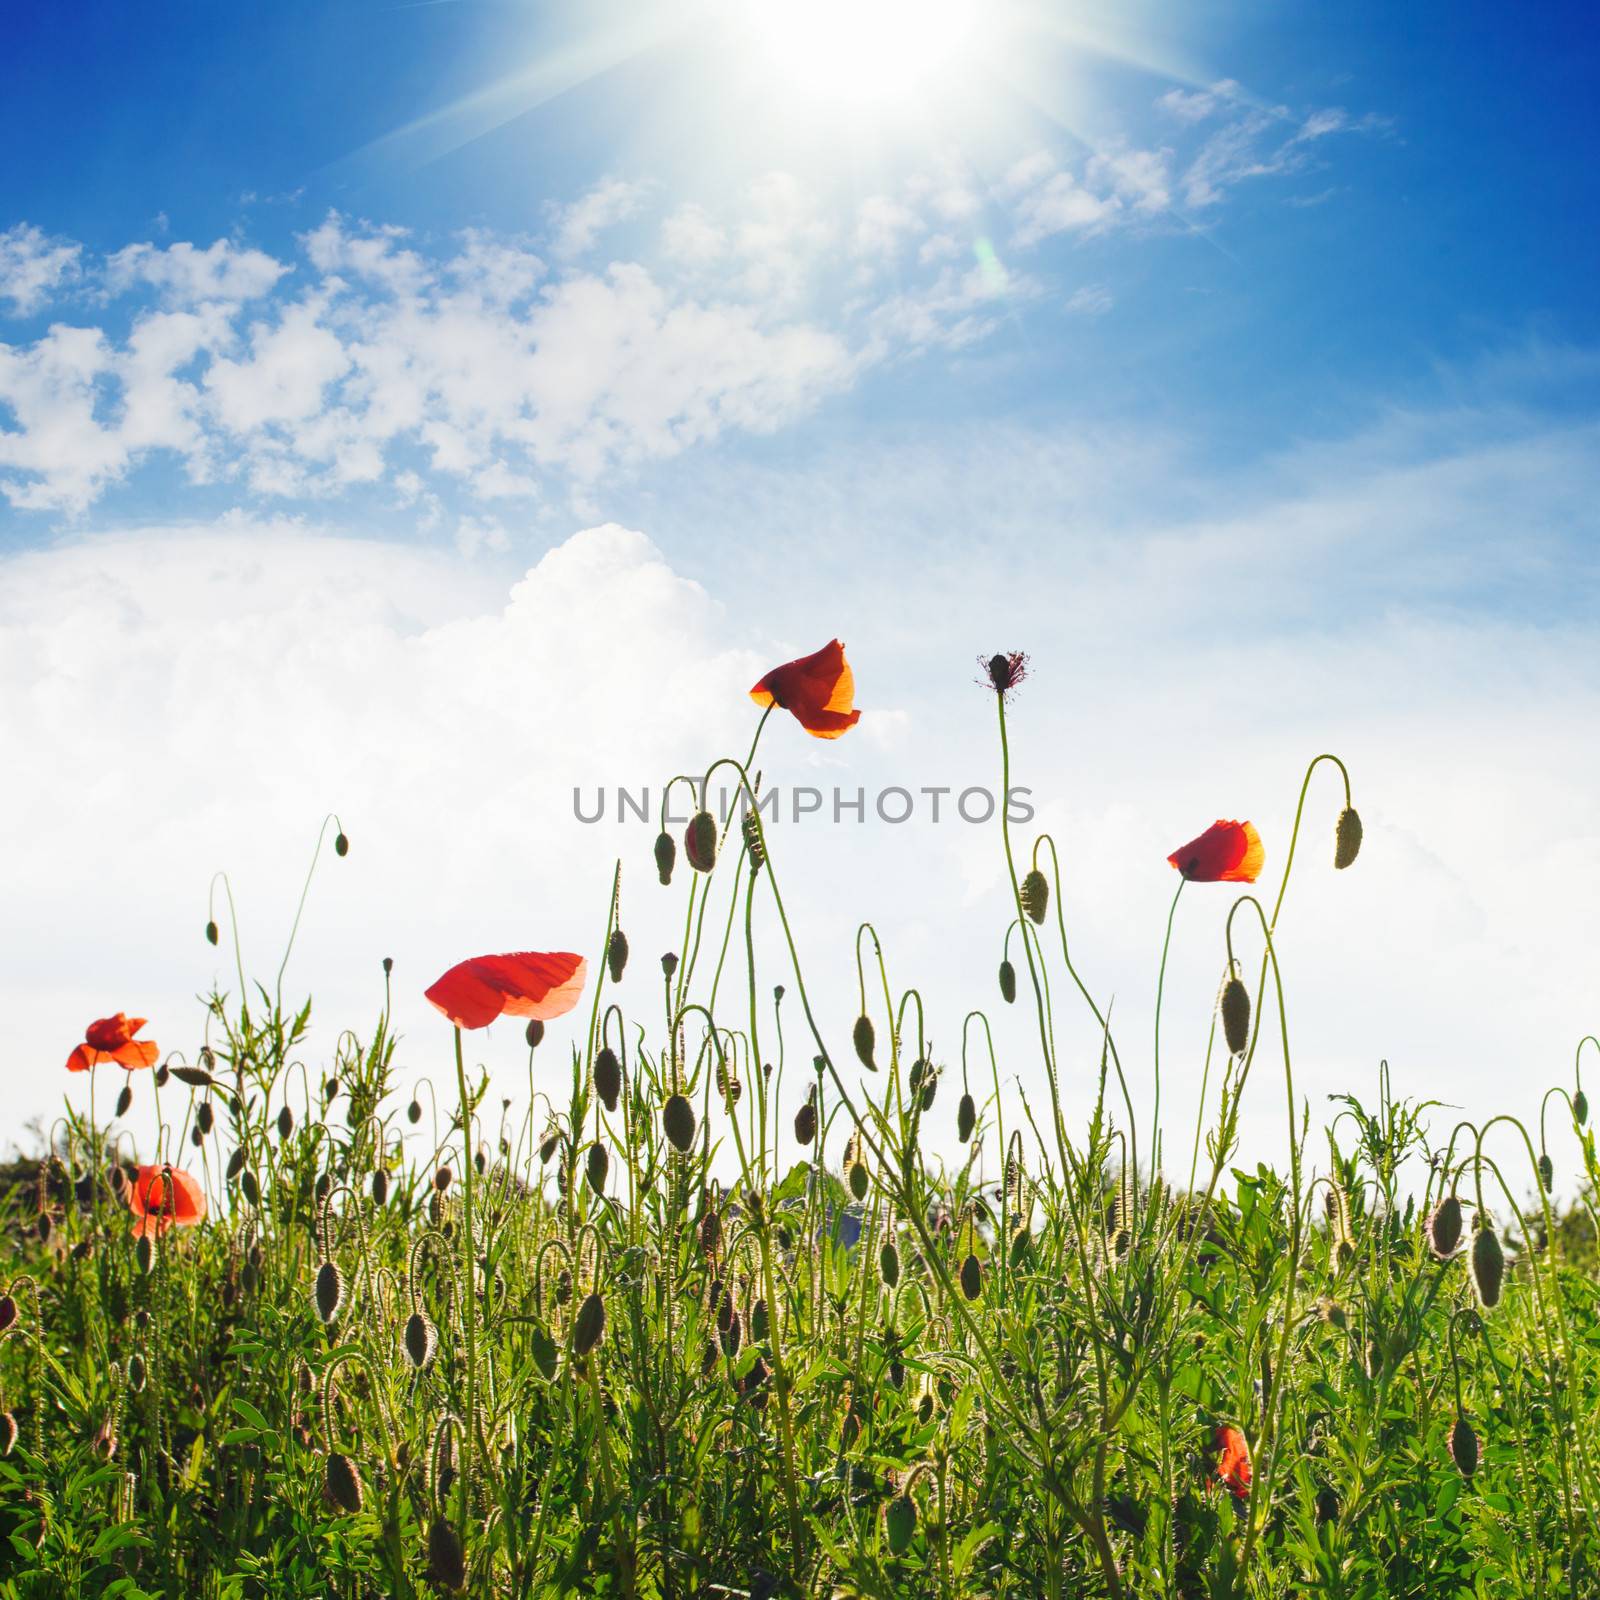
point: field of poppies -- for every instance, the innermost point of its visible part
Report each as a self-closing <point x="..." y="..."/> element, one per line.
<point x="320" y="1341"/>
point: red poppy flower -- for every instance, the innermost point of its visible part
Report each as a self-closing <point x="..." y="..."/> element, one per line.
<point x="112" y="1039"/>
<point x="531" y="984"/>
<point x="162" y="1198"/>
<point x="1227" y="852"/>
<point x="1233" y="1461"/>
<point x="819" y="690"/>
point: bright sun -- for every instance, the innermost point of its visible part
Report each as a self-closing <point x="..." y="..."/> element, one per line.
<point x="862" y="51"/>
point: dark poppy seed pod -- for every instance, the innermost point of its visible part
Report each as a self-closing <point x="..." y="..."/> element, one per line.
<point x="285" y="1122"/>
<point x="211" y="933"/>
<point x="1488" y="1267"/>
<point x="1547" y="1172"/>
<point x="666" y="857"/>
<point x="966" y="1118"/>
<point x="344" y="1483"/>
<point x="204" y="1117"/>
<point x="388" y="965"/>
<point x="1008" y="983"/>
<point x="889" y="1264"/>
<point x="8" y="1433"/>
<point x="533" y="1033"/>
<point x="380" y="1186"/>
<point x="1464" y="1447"/>
<point x="1035" y="895"/>
<point x="447" y="1561"/>
<point x="1580" y="1108"/>
<point x="421" y="1339"/>
<point x="669" y="965"/>
<point x="700" y="841"/>
<point x="8" y="1314"/>
<point x="1346" y="838"/>
<point x="597" y="1167"/>
<point x="589" y="1325"/>
<point x="249" y="1187"/>
<point x="864" y="1037"/>
<point x="710" y="1232"/>
<point x="608" y="1077"/>
<point x="124" y="1099"/>
<point x="414" y="1113"/>
<point x="341" y="845"/>
<point x="1235" y="1008"/>
<point x="900" y="1523"/>
<point x="617" y="954"/>
<point x="860" y="1180"/>
<point x="1444" y="1227"/>
<point x="328" y="1292"/>
<point x="971" y="1277"/>
<point x="805" y="1121"/>
<point x="677" y="1121"/>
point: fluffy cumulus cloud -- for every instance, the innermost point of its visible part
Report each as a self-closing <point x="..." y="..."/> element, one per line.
<point x="492" y="366"/>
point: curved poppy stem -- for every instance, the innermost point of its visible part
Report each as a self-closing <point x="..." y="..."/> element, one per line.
<point x="299" y="910"/>
<point x="469" y="1293"/>
<point x="1161" y="984"/>
<point x="233" y="926"/>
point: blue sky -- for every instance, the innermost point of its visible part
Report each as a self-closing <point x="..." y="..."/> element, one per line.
<point x="418" y="410"/>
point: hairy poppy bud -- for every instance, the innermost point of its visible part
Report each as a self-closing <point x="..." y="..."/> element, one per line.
<point x="710" y="1232"/>
<point x="1580" y="1108"/>
<point x="889" y="1264"/>
<point x="700" y="841"/>
<point x="211" y="933"/>
<point x="617" y="954"/>
<point x="760" y="1321"/>
<point x="966" y="1118"/>
<point x="864" y="1037"/>
<point x="235" y="1164"/>
<point x="805" y="1121"/>
<point x="421" y="1339"/>
<point x="1547" y="1172"/>
<point x="447" y="1561"/>
<point x="677" y="1122"/>
<point x="608" y="1077"/>
<point x="136" y="1373"/>
<point x="860" y="1180"/>
<point x="1464" y="1447"/>
<point x="285" y="1123"/>
<point x="380" y="1186"/>
<point x="344" y="1483"/>
<point x="755" y="843"/>
<point x="8" y="1314"/>
<point x="249" y="1187"/>
<point x="161" y="1075"/>
<point x="196" y="1136"/>
<point x="666" y="857"/>
<point x="1444" y="1227"/>
<point x="1035" y="895"/>
<point x="1488" y="1266"/>
<point x="1346" y="838"/>
<point x="971" y="1277"/>
<point x="443" y="1178"/>
<point x="598" y="1166"/>
<point x="534" y="1033"/>
<point x="414" y="1112"/>
<point x="341" y="845"/>
<point x="204" y="1117"/>
<point x="589" y="1325"/>
<point x="1008" y="983"/>
<point x="1235" y="1008"/>
<point x="328" y="1291"/>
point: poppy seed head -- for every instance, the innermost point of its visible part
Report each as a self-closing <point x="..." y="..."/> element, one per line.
<point x="1005" y="672"/>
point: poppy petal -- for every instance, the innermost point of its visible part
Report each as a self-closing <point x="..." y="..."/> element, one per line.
<point x="542" y="984"/>
<point x="136" y="1053"/>
<point x="1227" y="852"/>
<point x="83" y="1058"/>
<point x="111" y="1033"/>
<point x="818" y="690"/>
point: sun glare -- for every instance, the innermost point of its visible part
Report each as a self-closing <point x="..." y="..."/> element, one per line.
<point x="863" y="51"/>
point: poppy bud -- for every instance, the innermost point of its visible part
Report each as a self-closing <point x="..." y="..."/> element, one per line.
<point x="548" y="1145"/>
<point x="328" y="1291"/>
<point x="710" y="1232"/>
<point x="598" y="1166"/>
<point x="677" y="1121"/>
<point x="196" y="1137"/>
<point x="344" y="1483"/>
<point x="161" y="1075"/>
<point x="414" y="1113"/>
<point x="666" y="857"/>
<point x="732" y="1337"/>
<point x="889" y="1264"/>
<point x="617" y="954"/>
<point x="563" y="1287"/>
<point x="669" y="965"/>
<point x="8" y="1433"/>
<point x="136" y="1372"/>
<point x="860" y="1180"/>
<point x="589" y="1325"/>
<point x="760" y="1322"/>
<point x="8" y="1314"/>
<point x="700" y="841"/>
<point x="142" y="1251"/>
<point x="204" y="1117"/>
<point x="388" y="965"/>
<point x="443" y="1178"/>
<point x="323" y="1187"/>
<point x="966" y="1118"/>
<point x="900" y="1523"/>
<point x="380" y="1186"/>
<point x="754" y="843"/>
<point x="971" y="1277"/>
<point x="1235" y="1008"/>
<point x="341" y="845"/>
<point x="1008" y="983"/>
<point x="285" y="1123"/>
<point x="864" y="1037"/>
<point x="249" y="1187"/>
<point x="1488" y="1266"/>
<point x="1547" y="1172"/>
<point x="805" y="1121"/>
<point x="1580" y="1108"/>
<point x="235" y="1164"/>
<point x="211" y="933"/>
<point x="533" y="1033"/>
<point x="1035" y="895"/>
<point x="421" y="1339"/>
<point x="608" y="1077"/>
<point x="1444" y="1227"/>
<point x="447" y="1561"/>
<point x="1464" y="1447"/>
<point x="1346" y="838"/>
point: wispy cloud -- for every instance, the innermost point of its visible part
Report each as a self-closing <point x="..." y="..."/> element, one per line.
<point x="33" y="265"/>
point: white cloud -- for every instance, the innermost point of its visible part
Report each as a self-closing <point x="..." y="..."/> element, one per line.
<point x="1196" y="105"/>
<point x="32" y="265"/>
<point x="187" y="276"/>
<point x="580" y="224"/>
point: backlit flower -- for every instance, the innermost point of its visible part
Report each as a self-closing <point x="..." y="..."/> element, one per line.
<point x="1233" y="1461"/>
<point x="541" y="984"/>
<point x="162" y="1198"/>
<point x="1227" y="852"/>
<point x="818" y="690"/>
<point x="112" y="1039"/>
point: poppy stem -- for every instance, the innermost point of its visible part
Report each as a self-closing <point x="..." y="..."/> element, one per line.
<point x="469" y="1293"/>
<point x="1161" y="984"/>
